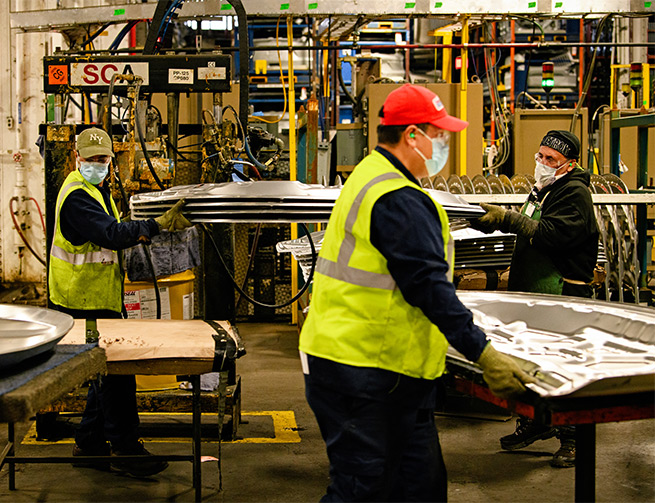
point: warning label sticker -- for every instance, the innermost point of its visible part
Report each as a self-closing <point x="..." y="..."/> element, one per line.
<point x="57" y="75"/>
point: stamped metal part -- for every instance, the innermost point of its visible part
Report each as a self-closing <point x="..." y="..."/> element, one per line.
<point x="573" y="346"/>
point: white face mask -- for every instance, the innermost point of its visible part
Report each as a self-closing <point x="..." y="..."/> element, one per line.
<point x="440" y="151"/>
<point x="94" y="172"/>
<point x="544" y="175"/>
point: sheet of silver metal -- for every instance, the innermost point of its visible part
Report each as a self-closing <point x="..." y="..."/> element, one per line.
<point x="27" y="331"/>
<point x="272" y="201"/>
<point x="574" y="347"/>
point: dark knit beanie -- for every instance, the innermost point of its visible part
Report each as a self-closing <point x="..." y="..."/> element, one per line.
<point x="564" y="142"/>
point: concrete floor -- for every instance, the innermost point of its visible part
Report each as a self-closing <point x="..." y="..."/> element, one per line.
<point x="298" y="471"/>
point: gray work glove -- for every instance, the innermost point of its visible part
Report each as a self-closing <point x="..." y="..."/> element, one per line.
<point x="498" y="218"/>
<point x="173" y="220"/>
<point x="503" y="376"/>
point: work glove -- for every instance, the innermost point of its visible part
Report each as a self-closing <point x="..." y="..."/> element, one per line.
<point x="491" y="220"/>
<point x="498" y="218"/>
<point x="503" y="376"/>
<point x="173" y="220"/>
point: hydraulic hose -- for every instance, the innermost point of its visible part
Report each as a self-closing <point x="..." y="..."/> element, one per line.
<point x="244" y="294"/>
<point x="244" y="60"/>
<point x="20" y="232"/>
<point x="142" y="141"/>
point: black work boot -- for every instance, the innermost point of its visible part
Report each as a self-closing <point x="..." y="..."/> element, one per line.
<point x="565" y="456"/>
<point x="527" y="431"/>
<point x="142" y="468"/>
<point x="98" y="450"/>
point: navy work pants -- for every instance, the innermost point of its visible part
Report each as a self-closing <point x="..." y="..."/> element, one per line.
<point x="111" y="413"/>
<point x="380" y="434"/>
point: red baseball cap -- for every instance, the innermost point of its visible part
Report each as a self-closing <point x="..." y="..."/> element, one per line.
<point x="411" y="104"/>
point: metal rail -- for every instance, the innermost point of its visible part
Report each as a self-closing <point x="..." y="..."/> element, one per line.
<point x="46" y="19"/>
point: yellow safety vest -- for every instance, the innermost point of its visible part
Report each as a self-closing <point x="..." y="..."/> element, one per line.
<point x="358" y="315"/>
<point x="86" y="276"/>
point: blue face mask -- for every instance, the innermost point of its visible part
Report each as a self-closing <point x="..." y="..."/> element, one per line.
<point x="94" y="172"/>
<point x="440" y="151"/>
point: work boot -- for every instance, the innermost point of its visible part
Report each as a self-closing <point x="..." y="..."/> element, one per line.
<point x="99" y="450"/>
<point x="527" y="432"/>
<point x="141" y="468"/>
<point x="565" y="456"/>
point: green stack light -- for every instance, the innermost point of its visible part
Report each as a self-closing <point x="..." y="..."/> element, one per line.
<point x="636" y="76"/>
<point x="548" y="79"/>
<point x="548" y="76"/>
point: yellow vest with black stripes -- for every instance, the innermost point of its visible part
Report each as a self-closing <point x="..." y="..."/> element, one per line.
<point x="86" y="276"/>
<point x="358" y="315"/>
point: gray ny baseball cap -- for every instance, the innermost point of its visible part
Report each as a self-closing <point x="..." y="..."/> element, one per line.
<point x="94" y="141"/>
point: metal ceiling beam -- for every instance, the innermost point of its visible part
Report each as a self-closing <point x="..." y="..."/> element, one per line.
<point x="48" y="19"/>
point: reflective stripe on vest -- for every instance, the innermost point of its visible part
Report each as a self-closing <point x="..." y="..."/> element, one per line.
<point x="340" y="269"/>
<point x="104" y="256"/>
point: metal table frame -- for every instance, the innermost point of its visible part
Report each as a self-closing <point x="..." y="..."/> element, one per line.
<point x="583" y="412"/>
<point x="136" y="367"/>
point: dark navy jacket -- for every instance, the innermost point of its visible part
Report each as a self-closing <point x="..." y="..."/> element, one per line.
<point x="406" y="230"/>
<point x="83" y="219"/>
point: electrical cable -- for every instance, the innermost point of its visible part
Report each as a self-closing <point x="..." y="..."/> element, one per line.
<point x="95" y="34"/>
<point x="534" y="24"/>
<point x="251" y="260"/>
<point x="151" y="266"/>
<point x="244" y="294"/>
<point x="284" y="90"/>
<point x="346" y="91"/>
<point x="20" y="232"/>
<point x="498" y="115"/>
<point x="74" y="102"/>
<point x="139" y="131"/>
<point x="36" y="203"/>
<point x="244" y="138"/>
<point x="110" y="97"/>
<point x="121" y="35"/>
<point x="590" y="137"/>
<point x="176" y="150"/>
<point x="146" y="250"/>
<point x="589" y="73"/>
<point x="169" y="14"/>
<point x="527" y="71"/>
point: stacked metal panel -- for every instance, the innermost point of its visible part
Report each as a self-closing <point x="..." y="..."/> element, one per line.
<point x="475" y="250"/>
<point x="302" y="250"/>
<point x="265" y="201"/>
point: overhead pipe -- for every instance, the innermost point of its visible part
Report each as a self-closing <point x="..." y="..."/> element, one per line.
<point x="477" y="45"/>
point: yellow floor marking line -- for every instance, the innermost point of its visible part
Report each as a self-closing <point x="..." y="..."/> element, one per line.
<point x="284" y="427"/>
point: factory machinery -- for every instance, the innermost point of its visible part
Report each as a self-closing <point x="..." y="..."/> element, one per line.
<point x="178" y="118"/>
<point x="256" y="122"/>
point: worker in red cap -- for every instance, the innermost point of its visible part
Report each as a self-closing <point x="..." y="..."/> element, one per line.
<point x="384" y="311"/>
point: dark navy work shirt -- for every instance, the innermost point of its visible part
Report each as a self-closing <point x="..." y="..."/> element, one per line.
<point x="84" y="219"/>
<point x="406" y="230"/>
